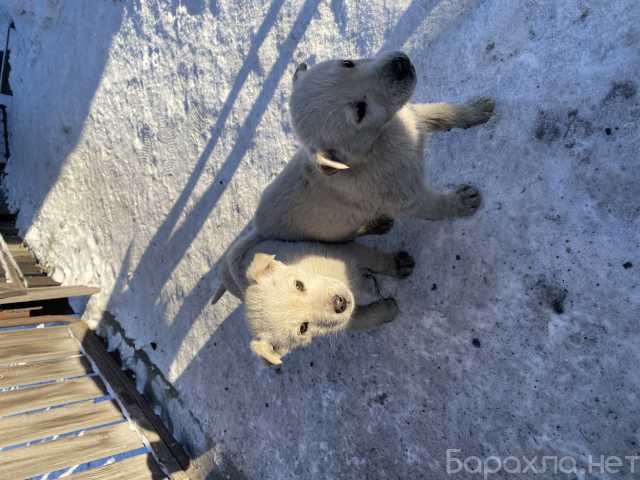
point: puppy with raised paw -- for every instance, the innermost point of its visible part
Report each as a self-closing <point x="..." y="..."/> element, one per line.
<point x="360" y="162"/>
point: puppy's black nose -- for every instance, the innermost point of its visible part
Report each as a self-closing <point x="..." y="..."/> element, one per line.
<point x="401" y="67"/>
<point x="339" y="303"/>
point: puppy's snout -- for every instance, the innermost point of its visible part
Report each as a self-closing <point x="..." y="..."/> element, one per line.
<point x="339" y="303"/>
<point x="401" y="66"/>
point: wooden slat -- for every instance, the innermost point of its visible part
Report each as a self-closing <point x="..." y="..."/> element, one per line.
<point x="8" y="293"/>
<point x="26" y="336"/>
<point x="24" y="428"/>
<point x="43" y="371"/>
<point x="29" y="268"/>
<point x="49" y="293"/>
<point x="17" y="401"/>
<point x="23" y="256"/>
<point x="166" y="450"/>
<point x="140" y="467"/>
<point x="6" y="313"/>
<point x="17" y="247"/>
<point x="39" y="350"/>
<point x="67" y="452"/>
<point x="39" y="281"/>
<point x="22" y="320"/>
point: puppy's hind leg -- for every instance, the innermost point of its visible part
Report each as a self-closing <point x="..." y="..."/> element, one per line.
<point x="374" y="314"/>
<point x="445" y="116"/>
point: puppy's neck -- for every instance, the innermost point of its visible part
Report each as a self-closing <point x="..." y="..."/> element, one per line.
<point x="329" y="161"/>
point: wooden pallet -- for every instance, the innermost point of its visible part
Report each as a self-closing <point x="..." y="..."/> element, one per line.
<point x="66" y="407"/>
<point x="57" y="412"/>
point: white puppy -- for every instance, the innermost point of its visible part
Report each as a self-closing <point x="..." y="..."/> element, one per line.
<point x="294" y="291"/>
<point x="360" y="163"/>
<point x="361" y="159"/>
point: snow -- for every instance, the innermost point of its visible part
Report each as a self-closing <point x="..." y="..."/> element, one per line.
<point x="143" y="133"/>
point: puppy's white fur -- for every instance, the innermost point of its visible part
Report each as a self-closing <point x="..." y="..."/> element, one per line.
<point x="361" y="160"/>
<point x="290" y="290"/>
<point x="351" y="170"/>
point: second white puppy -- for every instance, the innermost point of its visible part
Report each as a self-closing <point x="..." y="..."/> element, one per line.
<point x="294" y="291"/>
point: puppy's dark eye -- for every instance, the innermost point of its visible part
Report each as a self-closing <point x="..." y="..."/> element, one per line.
<point x="348" y="64"/>
<point x="361" y="111"/>
<point x="304" y="327"/>
<point x="300" y="285"/>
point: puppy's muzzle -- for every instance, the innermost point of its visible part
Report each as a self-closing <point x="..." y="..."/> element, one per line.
<point x="401" y="67"/>
<point x="339" y="303"/>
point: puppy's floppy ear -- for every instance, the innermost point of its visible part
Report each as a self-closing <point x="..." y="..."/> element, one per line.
<point x="301" y="70"/>
<point x="264" y="350"/>
<point x="327" y="165"/>
<point x="260" y="265"/>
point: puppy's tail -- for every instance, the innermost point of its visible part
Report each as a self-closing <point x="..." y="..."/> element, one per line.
<point x="232" y="262"/>
<point x="237" y="252"/>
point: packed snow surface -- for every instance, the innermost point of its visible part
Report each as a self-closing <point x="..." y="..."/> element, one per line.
<point x="143" y="133"/>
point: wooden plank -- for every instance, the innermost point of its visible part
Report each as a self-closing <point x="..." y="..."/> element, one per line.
<point x="25" y="428"/>
<point x="42" y="371"/>
<point x="18" y="401"/>
<point x="23" y="256"/>
<point x="8" y="293"/>
<point x="39" y="281"/>
<point x="16" y="250"/>
<point x="140" y="467"/>
<point x="26" y="336"/>
<point x="30" y="268"/>
<point x="39" y="350"/>
<point x="12" y="242"/>
<point x="165" y="448"/>
<point x="68" y="451"/>
<point x="49" y="293"/>
<point x="19" y="318"/>
<point x="6" y="313"/>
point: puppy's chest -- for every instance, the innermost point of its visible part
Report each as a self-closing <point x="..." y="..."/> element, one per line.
<point x="392" y="181"/>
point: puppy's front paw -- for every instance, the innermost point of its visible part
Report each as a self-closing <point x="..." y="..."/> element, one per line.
<point x="479" y="111"/>
<point x="468" y="200"/>
<point x="404" y="264"/>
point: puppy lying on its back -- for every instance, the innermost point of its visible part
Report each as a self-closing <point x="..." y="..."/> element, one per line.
<point x="294" y="291"/>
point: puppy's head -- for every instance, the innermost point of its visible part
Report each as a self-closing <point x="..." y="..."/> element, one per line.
<point x="286" y="306"/>
<point x="342" y="105"/>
